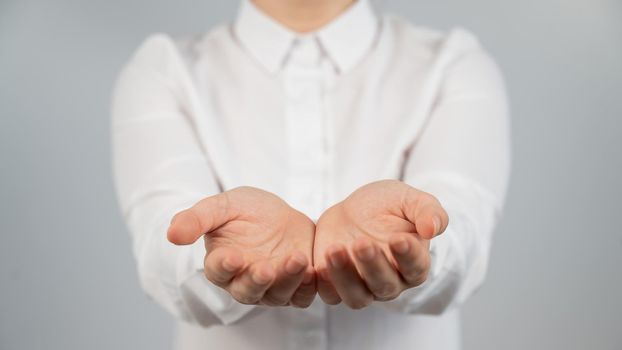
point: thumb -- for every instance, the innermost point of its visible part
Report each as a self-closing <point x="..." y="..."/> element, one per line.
<point x="205" y="216"/>
<point x="425" y="212"/>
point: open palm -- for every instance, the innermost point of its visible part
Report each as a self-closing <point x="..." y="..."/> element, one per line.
<point x="258" y="247"/>
<point x="374" y="244"/>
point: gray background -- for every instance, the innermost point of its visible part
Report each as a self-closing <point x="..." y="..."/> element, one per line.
<point x="66" y="273"/>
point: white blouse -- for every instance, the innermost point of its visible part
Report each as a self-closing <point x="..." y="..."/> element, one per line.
<point x="311" y="118"/>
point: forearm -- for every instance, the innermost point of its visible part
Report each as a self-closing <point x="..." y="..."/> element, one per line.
<point x="174" y="275"/>
<point x="159" y="169"/>
<point x="462" y="158"/>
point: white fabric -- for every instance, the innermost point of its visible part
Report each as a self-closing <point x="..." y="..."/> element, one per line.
<point x="311" y="118"/>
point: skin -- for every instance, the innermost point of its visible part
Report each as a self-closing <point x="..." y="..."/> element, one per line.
<point x="375" y="243"/>
<point x="371" y="246"/>
<point x="303" y="16"/>
<point x="258" y="248"/>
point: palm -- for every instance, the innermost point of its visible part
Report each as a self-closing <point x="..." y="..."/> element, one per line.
<point x="374" y="244"/>
<point x="372" y="211"/>
<point x="264" y="227"/>
<point x="258" y="247"/>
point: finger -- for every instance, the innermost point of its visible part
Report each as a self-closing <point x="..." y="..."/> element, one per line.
<point x="289" y="276"/>
<point x="222" y="265"/>
<point x="325" y="287"/>
<point x="411" y="257"/>
<point x="379" y="275"/>
<point x="425" y="212"/>
<point x="249" y="287"/>
<point x="346" y="280"/>
<point x="205" y="216"/>
<point x="304" y="295"/>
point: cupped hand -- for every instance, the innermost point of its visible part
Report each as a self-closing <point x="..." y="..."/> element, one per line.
<point x="375" y="243"/>
<point x="258" y="247"/>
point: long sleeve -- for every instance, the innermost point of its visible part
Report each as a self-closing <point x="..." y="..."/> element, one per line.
<point x="160" y="169"/>
<point x="463" y="158"/>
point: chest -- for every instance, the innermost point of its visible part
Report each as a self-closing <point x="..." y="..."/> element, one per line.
<point x="313" y="136"/>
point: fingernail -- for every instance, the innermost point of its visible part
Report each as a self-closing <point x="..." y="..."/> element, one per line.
<point x="366" y="253"/>
<point x="401" y="246"/>
<point x="293" y="266"/>
<point x="437" y="224"/>
<point x="336" y="259"/>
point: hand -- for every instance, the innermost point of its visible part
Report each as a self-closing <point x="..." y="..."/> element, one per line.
<point x="258" y="247"/>
<point x="375" y="244"/>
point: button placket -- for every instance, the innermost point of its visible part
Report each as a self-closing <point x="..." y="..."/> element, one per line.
<point x="303" y="89"/>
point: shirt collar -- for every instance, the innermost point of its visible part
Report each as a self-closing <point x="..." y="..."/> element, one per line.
<point x="346" y="39"/>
